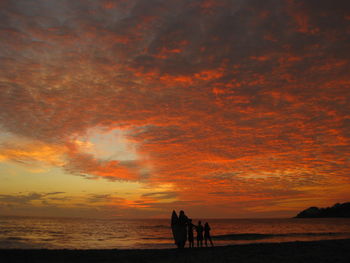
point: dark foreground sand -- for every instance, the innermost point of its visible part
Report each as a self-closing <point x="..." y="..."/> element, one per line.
<point x="319" y="251"/>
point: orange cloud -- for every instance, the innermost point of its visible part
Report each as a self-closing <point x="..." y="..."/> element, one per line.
<point x="245" y="105"/>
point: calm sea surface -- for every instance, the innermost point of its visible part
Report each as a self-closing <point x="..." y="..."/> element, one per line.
<point x="58" y="233"/>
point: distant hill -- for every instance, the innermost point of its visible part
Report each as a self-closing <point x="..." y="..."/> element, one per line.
<point x="338" y="210"/>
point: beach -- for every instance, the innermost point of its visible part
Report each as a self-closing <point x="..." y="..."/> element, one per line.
<point x="314" y="251"/>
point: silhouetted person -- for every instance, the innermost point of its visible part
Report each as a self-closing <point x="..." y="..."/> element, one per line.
<point x="190" y="227"/>
<point x="183" y="229"/>
<point x="207" y="234"/>
<point x="199" y="229"/>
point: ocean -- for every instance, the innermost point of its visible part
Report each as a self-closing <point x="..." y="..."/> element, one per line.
<point x="78" y="233"/>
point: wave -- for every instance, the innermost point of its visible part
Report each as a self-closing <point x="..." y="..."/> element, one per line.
<point x="155" y="227"/>
<point x="21" y="243"/>
<point x="15" y="239"/>
<point x="256" y="236"/>
<point x="157" y="238"/>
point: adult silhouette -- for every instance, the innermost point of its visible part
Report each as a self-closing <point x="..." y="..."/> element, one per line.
<point x="182" y="224"/>
<point x="199" y="229"/>
<point x="207" y="235"/>
<point x="190" y="227"/>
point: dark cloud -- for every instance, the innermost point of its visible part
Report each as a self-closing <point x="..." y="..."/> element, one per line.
<point x="23" y="199"/>
<point x="54" y="193"/>
<point x="20" y="199"/>
<point x="98" y="198"/>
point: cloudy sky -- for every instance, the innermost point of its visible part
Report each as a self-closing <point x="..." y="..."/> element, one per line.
<point x="132" y="108"/>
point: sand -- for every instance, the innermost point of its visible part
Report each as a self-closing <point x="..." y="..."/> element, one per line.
<point x="317" y="251"/>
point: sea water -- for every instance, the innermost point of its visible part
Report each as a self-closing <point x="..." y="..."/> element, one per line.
<point x="78" y="233"/>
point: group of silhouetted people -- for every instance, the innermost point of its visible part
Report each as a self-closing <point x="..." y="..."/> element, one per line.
<point x="199" y="229"/>
<point x="187" y="223"/>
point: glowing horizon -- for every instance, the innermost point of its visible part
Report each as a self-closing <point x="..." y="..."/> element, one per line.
<point x="132" y="108"/>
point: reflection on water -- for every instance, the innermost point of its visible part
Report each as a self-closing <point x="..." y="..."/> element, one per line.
<point x="53" y="233"/>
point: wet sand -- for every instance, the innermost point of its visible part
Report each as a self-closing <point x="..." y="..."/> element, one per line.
<point x="296" y="252"/>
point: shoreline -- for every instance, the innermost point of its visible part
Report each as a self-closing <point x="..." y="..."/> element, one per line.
<point x="336" y="250"/>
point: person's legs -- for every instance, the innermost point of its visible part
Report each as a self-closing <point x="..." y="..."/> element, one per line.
<point x="205" y="241"/>
<point x="211" y="242"/>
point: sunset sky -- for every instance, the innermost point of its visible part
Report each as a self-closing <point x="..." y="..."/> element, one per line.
<point x="133" y="108"/>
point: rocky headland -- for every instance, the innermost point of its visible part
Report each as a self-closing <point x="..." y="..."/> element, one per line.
<point x="338" y="210"/>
